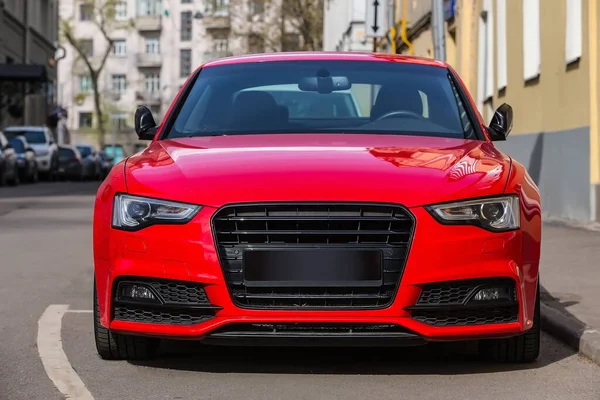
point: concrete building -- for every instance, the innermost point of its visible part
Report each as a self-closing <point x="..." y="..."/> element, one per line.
<point x="344" y="26"/>
<point x="28" y="36"/>
<point x="157" y="44"/>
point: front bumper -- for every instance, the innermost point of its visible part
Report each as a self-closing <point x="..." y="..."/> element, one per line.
<point x="44" y="162"/>
<point x="437" y="254"/>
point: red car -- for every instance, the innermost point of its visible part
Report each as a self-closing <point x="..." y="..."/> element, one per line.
<point x="319" y="199"/>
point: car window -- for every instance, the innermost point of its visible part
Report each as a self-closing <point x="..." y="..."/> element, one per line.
<point x="17" y="145"/>
<point x="322" y="97"/>
<point x="65" y="153"/>
<point x="33" y="137"/>
<point x="84" y="150"/>
<point x="301" y="104"/>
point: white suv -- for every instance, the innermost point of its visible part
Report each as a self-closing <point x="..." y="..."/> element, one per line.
<point x="41" y="141"/>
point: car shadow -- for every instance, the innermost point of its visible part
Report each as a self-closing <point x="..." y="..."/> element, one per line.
<point x="433" y="359"/>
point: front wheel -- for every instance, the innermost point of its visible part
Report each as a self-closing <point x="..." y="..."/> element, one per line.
<point x="524" y="348"/>
<point x="112" y="346"/>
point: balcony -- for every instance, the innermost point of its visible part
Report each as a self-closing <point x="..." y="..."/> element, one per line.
<point x="215" y="55"/>
<point x="217" y="21"/>
<point x="148" y="98"/>
<point x="146" y="23"/>
<point x="148" y="60"/>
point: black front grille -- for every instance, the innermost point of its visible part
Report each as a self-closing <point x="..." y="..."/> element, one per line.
<point x="473" y="316"/>
<point x="307" y="328"/>
<point x="159" y="316"/>
<point x="277" y="226"/>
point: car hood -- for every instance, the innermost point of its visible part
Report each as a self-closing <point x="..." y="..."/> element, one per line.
<point x="38" y="148"/>
<point x="408" y="170"/>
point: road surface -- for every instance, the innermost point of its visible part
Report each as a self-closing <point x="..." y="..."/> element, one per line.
<point x="46" y="289"/>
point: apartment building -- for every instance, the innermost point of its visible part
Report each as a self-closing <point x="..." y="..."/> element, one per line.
<point x="157" y="44"/>
<point x="344" y="26"/>
<point x="28" y="38"/>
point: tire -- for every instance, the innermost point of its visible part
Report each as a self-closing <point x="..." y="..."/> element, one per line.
<point x="2" y="177"/>
<point x="35" y="175"/>
<point x="112" y="346"/>
<point x="15" y="181"/>
<point x="524" y="348"/>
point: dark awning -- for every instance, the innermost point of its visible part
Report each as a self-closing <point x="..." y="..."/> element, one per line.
<point x="23" y="72"/>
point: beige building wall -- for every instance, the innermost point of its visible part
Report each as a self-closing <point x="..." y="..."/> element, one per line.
<point x="559" y="99"/>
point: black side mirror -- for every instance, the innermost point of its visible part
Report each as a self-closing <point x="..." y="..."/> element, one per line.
<point x="8" y="146"/>
<point x="51" y="142"/>
<point x="502" y="123"/>
<point x="29" y="149"/>
<point x="145" y="126"/>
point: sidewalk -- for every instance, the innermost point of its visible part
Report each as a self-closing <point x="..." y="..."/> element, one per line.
<point x="570" y="279"/>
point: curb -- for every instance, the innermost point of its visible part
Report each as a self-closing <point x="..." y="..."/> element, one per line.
<point x="572" y="332"/>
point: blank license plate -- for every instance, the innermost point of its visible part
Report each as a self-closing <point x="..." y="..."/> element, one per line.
<point x="313" y="267"/>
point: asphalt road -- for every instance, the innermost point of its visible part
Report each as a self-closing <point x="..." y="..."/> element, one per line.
<point x="46" y="259"/>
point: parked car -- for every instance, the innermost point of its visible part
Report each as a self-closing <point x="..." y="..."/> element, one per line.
<point x="405" y="226"/>
<point x="116" y="152"/>
<point x="106" y="163"/>
<point x="91" y="162"/>
<point x="26" y="161"/>
<point x="70" y="164"/>
<point x="40" y="140"/>
<point x="139" y="147"/>
<point x="9" y="172"/>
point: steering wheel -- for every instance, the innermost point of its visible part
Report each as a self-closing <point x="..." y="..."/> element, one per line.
<point x="400" y="113"/>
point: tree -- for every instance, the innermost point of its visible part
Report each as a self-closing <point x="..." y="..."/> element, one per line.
<point x="102" y="14"/>
<point x="278" y="25"/>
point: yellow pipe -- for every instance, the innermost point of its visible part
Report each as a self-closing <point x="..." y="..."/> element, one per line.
<point x="403" y="29"/>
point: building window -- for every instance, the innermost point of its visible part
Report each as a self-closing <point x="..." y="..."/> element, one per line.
<point x="213" y="6"/>
<point x="186" y="1"/>
<point x="85" y="119"/>
<point x="221" y="45"/>
<point x="149" y="8"/>
<point x="121" y="10"/>
<point x="185" y="63"/>
<point x="87" y="47"/>
<point x="120" y="48"/>
<point x="291" y="42"/>
<point x="186" y="26"/>
<point x="85" y="84"/>
<point x="152" y="45"/>
<point x="119" y="83"/>
<point x="86" y="12"/>
<point x="532" y="56"/>
<point x="501" y="57"/>
<point x="573" y="37"/>
<point x="257" y="7"/>
<point x="152" y="82"/>
<point x="256" y="44"/>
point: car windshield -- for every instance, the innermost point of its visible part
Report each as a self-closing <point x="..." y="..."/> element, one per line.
<point x="323" y="97"/>
<point x="84" y="150"/>
<point x="17" y="145"/>
<point x="35" y="137"/>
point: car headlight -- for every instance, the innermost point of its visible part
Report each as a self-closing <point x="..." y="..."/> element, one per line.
<point x="132" y="213"/>
<point x="498" y="214"/>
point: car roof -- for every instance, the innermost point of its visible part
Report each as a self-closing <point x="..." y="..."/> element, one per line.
<point x="24" y="127"/>
<point x="325" y="55"/>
